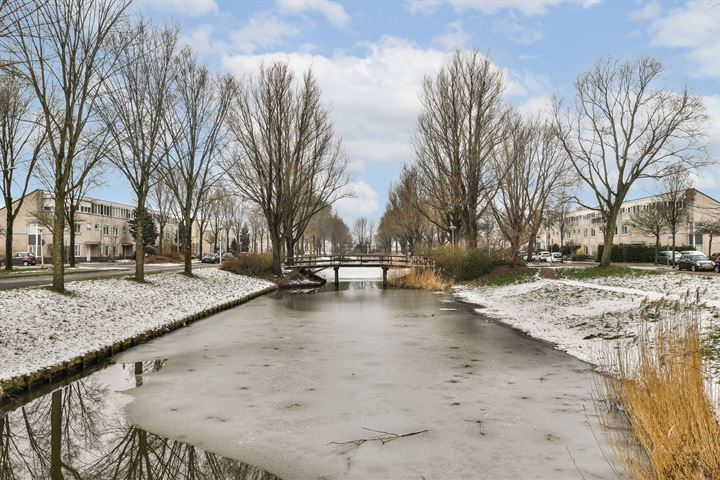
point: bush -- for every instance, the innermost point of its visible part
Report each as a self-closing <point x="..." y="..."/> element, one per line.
<point x="461" y="264"/>
<point x="580" y="257"/>
<point x="150" y="250"/>
<point x="254" y="264"/>
<point x="638" y="253"/>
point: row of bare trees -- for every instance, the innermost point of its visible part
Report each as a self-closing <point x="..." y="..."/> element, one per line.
<point x="115" y="91"/>
<point x="480" y="165"/>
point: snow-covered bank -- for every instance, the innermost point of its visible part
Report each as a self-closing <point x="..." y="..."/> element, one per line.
<point x="41" y="329"/>
<point x="582" y="317"/>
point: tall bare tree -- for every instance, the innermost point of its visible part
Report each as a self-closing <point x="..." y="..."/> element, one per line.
<point x="21" y="142"/>
<point x="196" y="139"/>
<point x="457" y="131"/>
<point x="622" y="129"/>
<point x="60" y="48"/>
<point x="711" y="228"/>
<point x="675" y="201"/>
<point x="133" y="109"/>
<point x="289" y="162"/>
<point x="532" y="169"/>
<point x="163" y="204"/>
<point x="651" y="222"/>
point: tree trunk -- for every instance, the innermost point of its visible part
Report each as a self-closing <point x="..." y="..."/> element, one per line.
<point x="139" y="243"/>
<point x="674" y="234"/>
<point x="276" y="254"/>
<point x="161" y="237"/>
<point x="657" y="248"/>
<point x="187" y="246"/>
<point x="710" y="244"/>
<point x="9" y="240"/>
<point x="71" y="251"/>
<point x="608" y="238"/>
<point x="58" y="282"/>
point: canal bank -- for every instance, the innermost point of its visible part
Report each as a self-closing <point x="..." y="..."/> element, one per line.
<point x="45" y="335"/>
<point x="300" y="385"/>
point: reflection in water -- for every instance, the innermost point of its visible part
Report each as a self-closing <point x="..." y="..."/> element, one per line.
<point x="79" y="432"/>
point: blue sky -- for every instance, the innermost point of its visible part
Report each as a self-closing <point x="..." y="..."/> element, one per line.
<point x="370" y="57"/>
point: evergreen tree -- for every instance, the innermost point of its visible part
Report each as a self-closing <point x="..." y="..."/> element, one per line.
<point x="245" y="238"/>
<point x="150" y="232"/>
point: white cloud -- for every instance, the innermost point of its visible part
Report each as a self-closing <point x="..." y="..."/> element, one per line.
<point x="455" y="37"/>
<point x="526" y="7"/>
<point x="364" y="202"/>
<point x="694" y="27"/>
<point x="712" y="104"/>
<point x="333" y="11"/>
<point x="192" y="8"/>
<point x="517" y="32"/>
<point x="375" y="97"/>
<point x="646" y="12"/>
<point x="262" y="31"/>
<point x="202" y="40"/>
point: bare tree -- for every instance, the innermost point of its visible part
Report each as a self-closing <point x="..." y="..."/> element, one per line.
<point x="532" y="169"/>
<point x="289" y="162"/>
<point x="623" y="129"/>
<point x="21" y="141"/>
<point x="60" y="49"/>
<point x="458" y="129"/>
<point x="196" y="139"/>
<point x="650" y="221"/>
<point x="711" y="228"/>
<point x="675" y="200"/>
<point x="162" y="201"/>
<point x="361" y="232"/>
<point x="133" y="109"/>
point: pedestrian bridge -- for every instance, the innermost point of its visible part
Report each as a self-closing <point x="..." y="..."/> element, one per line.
<point x="315" y="263"/>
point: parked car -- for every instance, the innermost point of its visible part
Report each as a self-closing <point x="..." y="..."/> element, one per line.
<point x="717" y="265"/>
<point x="211" y="258"/>
<point x="557" y="256"/>
<point x="226" y="256"/>
<point x="24" y="258"/>
<point x="695" y="262"/>
<point x="544" y="257"/>
<point x="664" y="257"/>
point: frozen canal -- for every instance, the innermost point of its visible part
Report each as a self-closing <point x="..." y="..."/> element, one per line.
<point x="264" y="390"/>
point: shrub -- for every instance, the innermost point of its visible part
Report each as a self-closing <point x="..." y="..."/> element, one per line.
<point x="580" y="257"/>
<point x="460" y="264"/>
<point x="150" y="250"/>
<point x="254" y="264"/>
<point x="421" y="279"/>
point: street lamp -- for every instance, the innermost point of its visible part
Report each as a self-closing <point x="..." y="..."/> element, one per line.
<point x="452" y="234"/>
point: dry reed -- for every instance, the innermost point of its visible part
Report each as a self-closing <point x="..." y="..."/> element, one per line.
<point x="663" y="390"/>
<point x="420" y="279"/>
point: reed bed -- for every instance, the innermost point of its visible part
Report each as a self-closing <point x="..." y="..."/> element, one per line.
<point x="419" y="279"/>
<point x="663" y="394"/>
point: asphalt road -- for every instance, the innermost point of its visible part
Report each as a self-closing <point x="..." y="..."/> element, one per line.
<point x="7" y="283"/>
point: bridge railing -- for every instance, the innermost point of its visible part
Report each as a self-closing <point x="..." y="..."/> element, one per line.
<point x="349" y="260"/>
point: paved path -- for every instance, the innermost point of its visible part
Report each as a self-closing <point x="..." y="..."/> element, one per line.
<point x="20" y="281"/>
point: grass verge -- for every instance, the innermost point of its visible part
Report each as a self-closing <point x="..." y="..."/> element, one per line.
<point x="663" y="390"/>
<point x="505" y="275"/>
<point x="601" y="272"/>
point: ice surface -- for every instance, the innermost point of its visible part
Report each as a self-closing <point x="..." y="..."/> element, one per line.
<point x="274" y="381"/>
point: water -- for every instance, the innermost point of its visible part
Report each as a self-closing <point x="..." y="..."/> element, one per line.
<point x="280" y="385"/>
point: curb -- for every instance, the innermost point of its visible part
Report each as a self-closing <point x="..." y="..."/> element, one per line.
<point x="25" y="383"/>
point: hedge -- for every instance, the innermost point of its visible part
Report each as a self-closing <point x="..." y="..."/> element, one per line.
<point x="637" y="253"/>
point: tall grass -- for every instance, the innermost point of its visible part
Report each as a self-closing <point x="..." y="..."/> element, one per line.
<point x="253" y="264"/>
<point x="420" y="279"/>
<point x="662" y="387"/>
<point x="461" y="264"/>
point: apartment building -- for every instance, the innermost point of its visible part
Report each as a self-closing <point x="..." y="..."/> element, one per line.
<point x="585" y="227"/>
<point x="102" y="230"/>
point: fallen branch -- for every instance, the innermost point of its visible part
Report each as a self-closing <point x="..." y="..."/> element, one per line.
<point x="382" y="437"/>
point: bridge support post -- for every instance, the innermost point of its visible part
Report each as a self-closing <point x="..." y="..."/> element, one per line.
<point x="385" y="270"/>
<point x="337" y="284"/>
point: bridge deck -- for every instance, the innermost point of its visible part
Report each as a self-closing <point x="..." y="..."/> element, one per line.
<point x="342" y="261"/>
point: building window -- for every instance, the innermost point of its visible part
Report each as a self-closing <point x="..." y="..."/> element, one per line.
<point x="115" y="231"/>
<point x="585" y="232"/>
<point x="78" y="228"/>
<point x="592" y="232"/>
<point x="105" y="251"/>
<point x="77" y="250"/>
<point x="106" y="230"/>
<point x="624" y="230"/>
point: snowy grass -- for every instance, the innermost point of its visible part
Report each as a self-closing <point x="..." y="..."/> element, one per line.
<point x="582" y="317"/>
<point x="40" y="328"/>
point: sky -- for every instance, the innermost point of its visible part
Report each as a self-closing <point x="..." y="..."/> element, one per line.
<point x="370" y="58"/>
